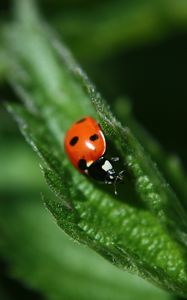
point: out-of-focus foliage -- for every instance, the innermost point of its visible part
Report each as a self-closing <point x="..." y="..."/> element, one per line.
<point x="103" y="28"/>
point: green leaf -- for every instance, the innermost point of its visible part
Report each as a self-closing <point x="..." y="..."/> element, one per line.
<point x="41" y="256"/>
<point x="44" y="259"/>
<point x="170" y="165"/>
<point x="144" y="229"/>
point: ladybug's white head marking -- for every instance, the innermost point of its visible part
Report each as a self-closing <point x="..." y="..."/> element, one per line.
<point x="107" y="166"/>
<point x="89" y="163"/>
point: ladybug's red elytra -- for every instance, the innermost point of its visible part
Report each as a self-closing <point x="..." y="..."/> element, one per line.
<point x="85" y="146"/>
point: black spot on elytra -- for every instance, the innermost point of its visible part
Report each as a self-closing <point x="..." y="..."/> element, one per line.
<point x="74" y="140"/>
<point x="82" y="164"/>
<point x="94" y="137"/>
<point x="81" y="120"/>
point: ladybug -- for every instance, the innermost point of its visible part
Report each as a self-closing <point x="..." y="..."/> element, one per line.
<point x="85" y="146"/>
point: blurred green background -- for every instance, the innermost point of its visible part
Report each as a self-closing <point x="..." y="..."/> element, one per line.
<point x="133" y="50"/>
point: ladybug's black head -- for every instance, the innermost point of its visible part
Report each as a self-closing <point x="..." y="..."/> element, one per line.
<point x="102" y="170"/>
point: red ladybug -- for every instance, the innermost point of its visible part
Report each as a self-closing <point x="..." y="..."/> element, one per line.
<point x="85" y="146"/>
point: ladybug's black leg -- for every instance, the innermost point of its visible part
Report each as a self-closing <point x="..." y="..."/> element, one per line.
<point x="114" y="159"/>
<point x="119" y="177"/>
<point x="115" y="186"/>
<point x="82" y="164"/>
<point x="121" y="173"/>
